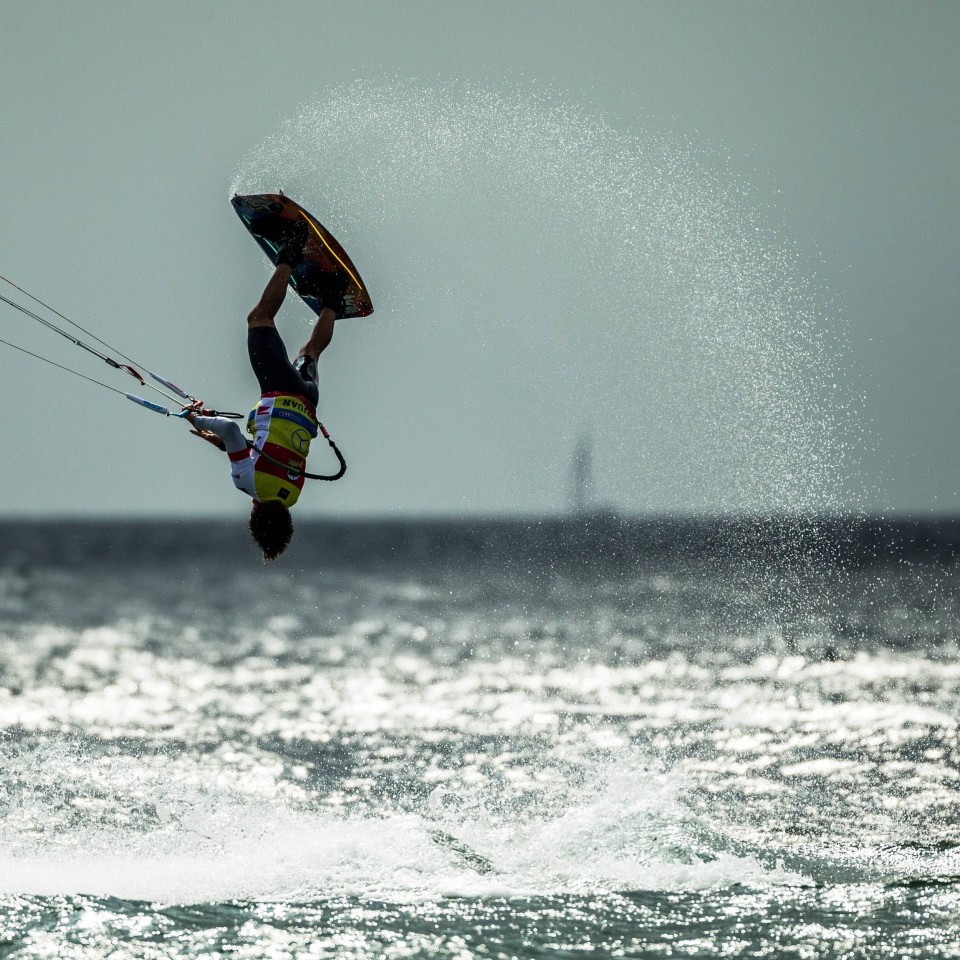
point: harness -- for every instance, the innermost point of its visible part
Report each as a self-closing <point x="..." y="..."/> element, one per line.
<point x="283" y="425"/>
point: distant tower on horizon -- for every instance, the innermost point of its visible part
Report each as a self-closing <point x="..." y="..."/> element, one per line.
<point x="581" y="477"/>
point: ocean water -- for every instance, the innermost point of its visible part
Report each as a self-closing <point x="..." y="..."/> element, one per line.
<point x="593" y="737"/>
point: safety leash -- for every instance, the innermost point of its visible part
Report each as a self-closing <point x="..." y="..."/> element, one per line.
<point x="303" y="473"/>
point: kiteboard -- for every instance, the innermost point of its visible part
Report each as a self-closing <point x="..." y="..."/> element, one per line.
<point x="268" y="215"/>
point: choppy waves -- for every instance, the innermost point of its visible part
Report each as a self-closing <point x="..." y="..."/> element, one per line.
<point x="627" y="737"/>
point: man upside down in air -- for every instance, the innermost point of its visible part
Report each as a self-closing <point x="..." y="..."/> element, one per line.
<point x="271" y="471"/>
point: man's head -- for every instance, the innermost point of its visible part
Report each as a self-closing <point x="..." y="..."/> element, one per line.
<point x="271" y="527"/>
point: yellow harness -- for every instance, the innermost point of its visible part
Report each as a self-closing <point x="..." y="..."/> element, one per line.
<point x="282" y="427"/>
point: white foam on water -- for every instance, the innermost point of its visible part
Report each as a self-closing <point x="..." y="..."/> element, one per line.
<point x="196" y="842"/>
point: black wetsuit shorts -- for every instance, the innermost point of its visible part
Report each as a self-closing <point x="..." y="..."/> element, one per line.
<point x="274" y="371"/>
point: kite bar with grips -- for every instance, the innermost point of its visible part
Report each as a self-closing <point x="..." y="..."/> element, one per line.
<point x="193" y="408"/>
<point x="171" y="386"/>
<point x="149" y="404"/>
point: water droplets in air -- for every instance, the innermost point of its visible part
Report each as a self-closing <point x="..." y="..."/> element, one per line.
<point x="539" y="274"/>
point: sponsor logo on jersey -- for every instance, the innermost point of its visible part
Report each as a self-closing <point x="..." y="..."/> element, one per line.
<point x="301" y="440"/>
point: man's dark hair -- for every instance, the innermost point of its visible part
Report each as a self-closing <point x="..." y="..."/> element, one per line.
<point x="271" y="528"/>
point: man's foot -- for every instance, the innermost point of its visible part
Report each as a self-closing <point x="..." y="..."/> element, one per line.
<point x="306" y="366"/>
<point x="292" y="241"/>
<point x="334" y="287"/>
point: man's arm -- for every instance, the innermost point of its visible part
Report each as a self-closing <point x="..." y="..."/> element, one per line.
<point x="219" y="431"/>
<point x="210" y="437"/>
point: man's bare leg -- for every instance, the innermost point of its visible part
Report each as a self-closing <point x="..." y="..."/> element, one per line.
<point x="321" y="336"/>
<point x="266" y="310"/>
<point x="263" y="314"/>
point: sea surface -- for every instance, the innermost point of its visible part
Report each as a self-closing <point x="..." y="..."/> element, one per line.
<point x="592" y="737"/>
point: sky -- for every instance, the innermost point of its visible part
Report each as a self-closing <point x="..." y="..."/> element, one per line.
<point x="717" y="240"/>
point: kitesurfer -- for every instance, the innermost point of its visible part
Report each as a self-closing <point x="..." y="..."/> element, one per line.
<point x="285" y="421"/>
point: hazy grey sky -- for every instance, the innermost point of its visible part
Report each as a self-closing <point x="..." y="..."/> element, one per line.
<point x="831" y="128"/>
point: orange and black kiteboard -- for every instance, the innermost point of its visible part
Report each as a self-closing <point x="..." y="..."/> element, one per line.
<point x="268" y="215"/>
